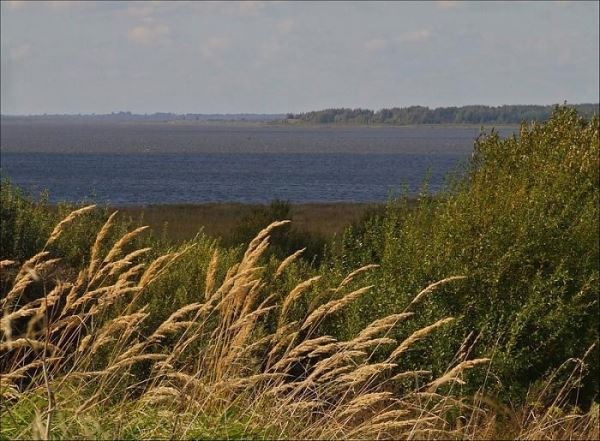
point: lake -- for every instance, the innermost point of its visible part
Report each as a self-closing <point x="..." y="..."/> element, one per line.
<point x="152" y="163"/>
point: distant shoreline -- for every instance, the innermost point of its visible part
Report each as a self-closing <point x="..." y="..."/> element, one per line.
<point x="250" y="124"/>
<point x="416" y="115"/>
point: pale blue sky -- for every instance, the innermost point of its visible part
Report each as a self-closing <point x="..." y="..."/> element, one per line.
<point x="270" y="57"/>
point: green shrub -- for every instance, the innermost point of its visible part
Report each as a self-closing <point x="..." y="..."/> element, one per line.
<point x="26" y="222"/>
<point x="522" y="225"/>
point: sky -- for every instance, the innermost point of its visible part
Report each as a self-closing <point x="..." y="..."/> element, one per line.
<point x="276" y="57"/>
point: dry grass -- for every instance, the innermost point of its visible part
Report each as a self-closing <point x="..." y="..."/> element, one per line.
<point x="79" y="362"/>
<point x="182" y="222"/>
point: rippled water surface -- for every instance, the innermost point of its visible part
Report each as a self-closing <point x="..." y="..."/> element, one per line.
<point x="126" y="164"/>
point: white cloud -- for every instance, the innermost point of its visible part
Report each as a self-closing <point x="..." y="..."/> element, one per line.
<point x="285" y="26"/>
<point x="63" y="4"/>
<point x="250" y="7"/>
<point x="416" y="36"/>
<point x="148" y="34"/>
<point x="448" y="4"/>
<point x="15" y="4"/>
<point x="214" y="46"/>
<point x="375" y="44"/>
<point x="379" y="44"/>
<point x="56" y="4"/>
<point x="140" y="9"/>
<point x="19" y="52"/>
<point x="268" y="49"/>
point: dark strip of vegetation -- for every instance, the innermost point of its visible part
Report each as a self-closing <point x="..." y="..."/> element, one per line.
<point x="514" y="114"/>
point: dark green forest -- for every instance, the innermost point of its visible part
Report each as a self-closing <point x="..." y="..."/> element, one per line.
<point x="513" y="114"/>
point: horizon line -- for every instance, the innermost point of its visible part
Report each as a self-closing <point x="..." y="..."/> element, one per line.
<point x="130" y="113"/>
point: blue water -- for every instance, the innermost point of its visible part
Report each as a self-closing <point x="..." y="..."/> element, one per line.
<point x="162" y="163"/>
<point x="133" y="179"/>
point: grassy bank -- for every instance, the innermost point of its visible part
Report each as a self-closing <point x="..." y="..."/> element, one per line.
<point x="182" y="222"/>
<point x="470" y="315"/>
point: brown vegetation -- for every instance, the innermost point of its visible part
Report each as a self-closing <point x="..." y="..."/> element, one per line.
<point x="182" y="222"/>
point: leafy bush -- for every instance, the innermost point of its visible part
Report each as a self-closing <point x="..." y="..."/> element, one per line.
<point x="26" y="223"/>
<point x="522" y="225"/>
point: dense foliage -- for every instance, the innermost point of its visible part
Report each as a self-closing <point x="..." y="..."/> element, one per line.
<point x="514" y="114"/>
<point x="523" y="226"/>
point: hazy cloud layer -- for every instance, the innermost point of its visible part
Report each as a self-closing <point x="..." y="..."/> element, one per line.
<point x="213" y="57"/>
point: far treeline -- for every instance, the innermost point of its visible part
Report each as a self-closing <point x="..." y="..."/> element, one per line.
<point x="513" y="114"/>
